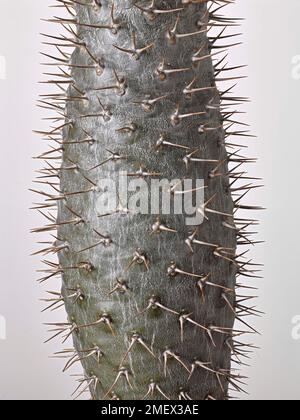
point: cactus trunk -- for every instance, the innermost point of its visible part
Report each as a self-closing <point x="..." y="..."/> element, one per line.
<point x="151" y="300"/>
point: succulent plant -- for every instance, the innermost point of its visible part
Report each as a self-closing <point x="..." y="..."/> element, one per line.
<point x="153" y="303"/>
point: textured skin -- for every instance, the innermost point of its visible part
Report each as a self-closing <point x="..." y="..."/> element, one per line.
<point x="159" y="329"/>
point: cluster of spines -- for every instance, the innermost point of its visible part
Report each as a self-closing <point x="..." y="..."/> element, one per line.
<point x="240" y="185"/>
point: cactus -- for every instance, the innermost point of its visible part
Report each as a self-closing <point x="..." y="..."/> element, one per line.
<point x="151" y="302"/>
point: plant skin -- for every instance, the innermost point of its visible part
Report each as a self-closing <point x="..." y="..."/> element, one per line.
<point x="152" y="302"/>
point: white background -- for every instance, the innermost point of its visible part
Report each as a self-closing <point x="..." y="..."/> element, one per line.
<point x="271" y="39"/>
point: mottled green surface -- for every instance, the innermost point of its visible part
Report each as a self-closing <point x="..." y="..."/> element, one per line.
<point x="159" y="329"/>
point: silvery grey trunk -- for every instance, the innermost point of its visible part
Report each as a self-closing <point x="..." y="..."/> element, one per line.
<point x="150" y="299"/>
